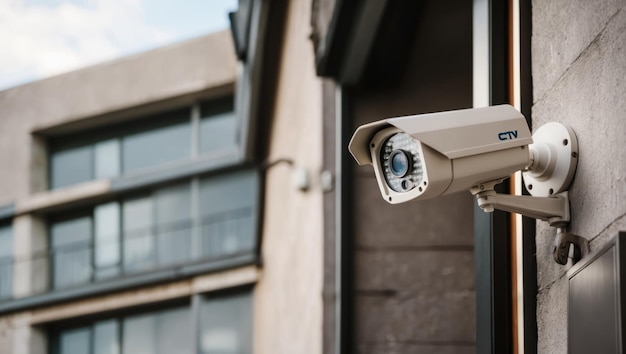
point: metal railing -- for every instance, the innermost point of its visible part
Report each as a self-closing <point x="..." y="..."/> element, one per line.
<point x="162" y="246"/>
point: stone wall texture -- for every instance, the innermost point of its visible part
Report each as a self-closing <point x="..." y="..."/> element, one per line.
<point x="579" y="67"/>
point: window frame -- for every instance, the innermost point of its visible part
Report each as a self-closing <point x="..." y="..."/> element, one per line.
<point x="196" y="219"/>
<point x="72" y="215"/>
<point x="193" y="303"/>
<point x="55" y="329"/>
<point x="196" y="160"/>
<point x="203" y="299"/>
<point x="498" y="320"/>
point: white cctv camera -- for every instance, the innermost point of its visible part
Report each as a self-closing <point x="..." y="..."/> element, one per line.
<point x="430" y="155"/>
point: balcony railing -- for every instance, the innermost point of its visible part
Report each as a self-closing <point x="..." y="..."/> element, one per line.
<point x="163" y="246"/>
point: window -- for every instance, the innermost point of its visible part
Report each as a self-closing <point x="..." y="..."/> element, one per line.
<point x="71" y="241"/>
<point x="71" y="165"/>
<point x="150" y="142"/>
<point x="217" y="126"/>
<point x="75" y="341"/>
<point x="161" y="332"/>
<point x="177" y="202"/>
<point x="226" y="211"/>
<point x="226" y="325"/>
<point x="107" y="158"/>
<point x="138" y="237"/>
<point x="106" y="240"/>
<point x="6" y="261"/>
<point x="201" y="219"/>
<point x="156" y="146"/>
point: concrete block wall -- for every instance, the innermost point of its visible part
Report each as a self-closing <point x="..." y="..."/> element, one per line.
<point x="579" y="67"/>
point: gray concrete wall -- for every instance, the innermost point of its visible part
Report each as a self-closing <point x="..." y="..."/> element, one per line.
<point x="579" y="67"/>
<point x="414" y="262"/>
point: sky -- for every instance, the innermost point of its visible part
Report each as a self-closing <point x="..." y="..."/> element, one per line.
<point x="42" y="38"/>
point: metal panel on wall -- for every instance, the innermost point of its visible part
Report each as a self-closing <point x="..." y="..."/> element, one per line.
<point x="595" y="301"/>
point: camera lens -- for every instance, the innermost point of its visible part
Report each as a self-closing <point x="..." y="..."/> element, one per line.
<point x="399" y="163"/>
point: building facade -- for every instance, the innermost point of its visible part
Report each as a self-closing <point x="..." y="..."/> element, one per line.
<point x="200" y="198"/>
<point x="107" y="244"/>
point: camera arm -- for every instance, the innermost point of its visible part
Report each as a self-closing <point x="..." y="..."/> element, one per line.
<point x="554" y="209"/>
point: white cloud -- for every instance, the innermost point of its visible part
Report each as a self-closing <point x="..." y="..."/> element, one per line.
<point x="40" y="41"/>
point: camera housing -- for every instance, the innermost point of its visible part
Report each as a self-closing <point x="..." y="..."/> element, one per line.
<point x="445" y="152"/>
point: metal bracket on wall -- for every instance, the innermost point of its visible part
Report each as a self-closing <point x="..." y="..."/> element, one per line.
<point x="562" y="242"/>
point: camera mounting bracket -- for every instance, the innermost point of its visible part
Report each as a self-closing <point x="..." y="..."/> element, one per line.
<point x="553" y="160"/>
<point x="553" y="209"/>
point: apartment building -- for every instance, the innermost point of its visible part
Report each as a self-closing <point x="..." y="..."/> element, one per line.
<point x="145" y="209"/>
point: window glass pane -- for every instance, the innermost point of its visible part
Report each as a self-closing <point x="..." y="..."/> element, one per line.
<point x="75" y="231"/>
<point x="224" y="193"/>
<point x="75" y="341"/>
<point x="107" y="155"/>
<point x="226" y="325"/>
<point x="228" y="204"/>
<point x="173" y="215"/>
<point x="137" y="216"/>
<point x="139" y="334"/>
<point x="71" y="166"/>
<point x="71" y="251"/>
<point x="174" y="332"/>
<point x="6" y="241"/>
<point x="6" y="261"/>
<point x="218" y="130"/>
<point x="164" y="332"/>
<point x="107" y="251"/>
<point x="105" y="337"/>
<point x="156" y="146"/>
<point x="161" y="332"/>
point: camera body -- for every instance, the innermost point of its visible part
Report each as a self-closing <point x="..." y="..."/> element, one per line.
<point x="429" y="155"/>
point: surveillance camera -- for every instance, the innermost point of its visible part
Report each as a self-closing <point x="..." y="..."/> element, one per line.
<point x="429" y="155"/>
